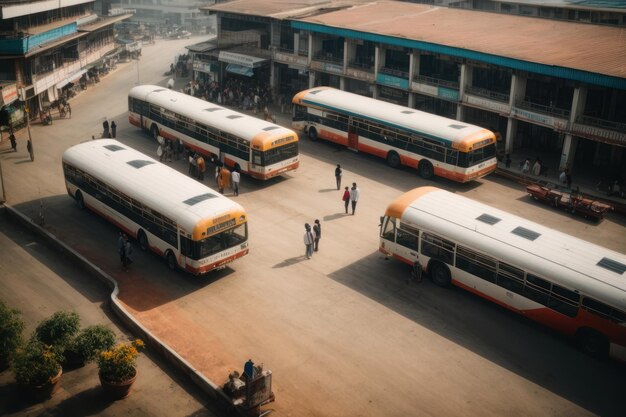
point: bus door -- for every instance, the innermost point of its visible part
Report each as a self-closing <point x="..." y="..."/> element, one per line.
<point x="353" y="137"/>
<point x="185" y="245"/>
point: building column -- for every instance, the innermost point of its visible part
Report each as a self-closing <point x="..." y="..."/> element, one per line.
<point x="296" y="43"/>
<point x="273" y="83"/>
<point x="377" y="59"/>
<point x="569" y="144"/>
<point x="465" y="80"/>
<point x="414" y="68"/>
<point x="342" y="83"/>
<point x="518" y="90"/>
<point x="346" y="55"/>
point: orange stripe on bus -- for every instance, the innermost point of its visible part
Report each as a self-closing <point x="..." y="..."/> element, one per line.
<point x="397" y="207"/>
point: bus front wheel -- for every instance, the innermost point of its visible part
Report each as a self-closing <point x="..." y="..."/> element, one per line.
<point x="80" y="201"/>
<point x="393" y="159"/>
<point x="440" y="274"/>
<point x="143" y="240"/>
<point x="593" y="343"/>
<point x="425" y="169"/>
<point x="171" y="261"/>
<point x="312" y="134"/>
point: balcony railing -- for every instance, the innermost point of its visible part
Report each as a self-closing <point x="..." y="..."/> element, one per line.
<point x="436" y="81"/>
<point x="601" y="123"/>
<point x="541" y="108"/>
<point x="483" y="92"/>
<point x="328" y="57"/>
<point x="394" y="72"/>
<point x="363" y="66"/>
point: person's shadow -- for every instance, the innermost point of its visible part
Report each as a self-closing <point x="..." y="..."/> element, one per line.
<point x="290" y="261"/>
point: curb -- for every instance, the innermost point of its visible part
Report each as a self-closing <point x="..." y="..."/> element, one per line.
<point x="215" y="393"/>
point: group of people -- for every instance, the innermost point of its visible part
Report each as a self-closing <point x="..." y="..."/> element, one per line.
<point x="350" y="195"/>
<point x="312" y="236"/>
<point x="244" y="94"/>
<point x="537" y="167"/>
<point x="224" y="178"/>
<point x="109" y="131"/>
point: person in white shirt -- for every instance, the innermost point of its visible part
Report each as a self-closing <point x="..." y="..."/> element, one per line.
<point x="309" y="240"/>
<point x="235" y="177"/>
<point x="354" y="196"/>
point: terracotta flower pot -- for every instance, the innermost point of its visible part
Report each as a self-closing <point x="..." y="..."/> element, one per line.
<point x="117" y="390"/>
<point x="40" y="393"/>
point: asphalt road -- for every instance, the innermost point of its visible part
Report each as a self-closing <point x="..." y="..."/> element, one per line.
<point x="344" y="333"/>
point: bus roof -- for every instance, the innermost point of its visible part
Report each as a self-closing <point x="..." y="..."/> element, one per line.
<point x="210" y="114"/>
<point x="150" y="182"/>
<point x="559" y="257"/>
<point x="406" y="118"/>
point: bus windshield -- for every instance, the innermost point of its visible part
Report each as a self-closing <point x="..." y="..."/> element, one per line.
<point x="219" y="242"/>
<point x="275" y="155"/>
<point x="477" y="156"/>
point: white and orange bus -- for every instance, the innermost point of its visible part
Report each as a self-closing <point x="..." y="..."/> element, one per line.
<point x="258" y="148"/>
<point x="433" y="145"/>
<point x="191" y="226"/>
<point x="570" y="285"/>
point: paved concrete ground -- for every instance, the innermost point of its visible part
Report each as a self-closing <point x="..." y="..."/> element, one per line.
<point x="38" y="281"/>
<point x="344" y="333"/>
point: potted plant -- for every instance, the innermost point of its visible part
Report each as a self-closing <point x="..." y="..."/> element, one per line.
<point x="58" y="330"/>
<point x="11" y="327"/>
<point x="87" y="344"/>
<point x="117" y="368"/>
<point x="37" y="369"/>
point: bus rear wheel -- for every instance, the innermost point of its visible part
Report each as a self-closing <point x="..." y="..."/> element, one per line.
<point x="312" y="134"/>
<point x="393" y="159"/>
<point x="425" y="169"/>
<point x="440" y="274"/>
<point x="171" y="261"/>
<point x="80" y="201"/>
<point x="143" y="240"/>
<point x="593" y="343"/>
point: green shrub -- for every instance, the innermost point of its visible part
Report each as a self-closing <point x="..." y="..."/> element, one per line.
<point x="11" y="328"/>
<point x="35" y="363"/>
<point x="91" y="341"/>
<point x="58" y="330"/>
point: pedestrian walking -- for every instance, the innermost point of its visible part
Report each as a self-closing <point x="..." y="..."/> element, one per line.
<point x="338" y="175"/>
<point x="309" y="240"/>
<point x="128" y="250"/>
<point x="29" y="148"/>
<point x="355" y="193"/>
<point x="201" y="167"/>
<point x="346" y="198"/>
<point x="105" y="128"/>
<point x="317" y="230"/>
<point x="13" y="142"/>
<point x="69" y="109"/>
<point x="526" y="166"/>
<point x="192" y="162"/>
<point x="113" y="129"/>
<point x="223" y="179"/>
<point x="123" y="248"/>
<point x="235" y="177"/>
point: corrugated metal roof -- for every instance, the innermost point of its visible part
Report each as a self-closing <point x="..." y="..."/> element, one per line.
<point x="592" y="48"/>
<point x="282" y="9"/>
<point x="570" y="50"/>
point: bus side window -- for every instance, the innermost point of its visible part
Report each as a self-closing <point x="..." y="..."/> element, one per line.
<point x="603" y="310"/>
<point x="510" y="277"/>
<point x="476" y="264"/>
<point x="564" y="301"/>
<point x="406" y="239"/>
<point x="437" y="248"/>
<point x="389" y="231"/>
<point x="537" y="289"/>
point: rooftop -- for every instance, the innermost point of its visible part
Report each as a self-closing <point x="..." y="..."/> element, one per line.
<point x="569" y="45"/>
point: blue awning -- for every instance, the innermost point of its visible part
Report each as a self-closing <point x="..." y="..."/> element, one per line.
<point x="239" y="69"/>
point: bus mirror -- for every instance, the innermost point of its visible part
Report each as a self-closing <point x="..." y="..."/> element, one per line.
<point x="381" y="221"/>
